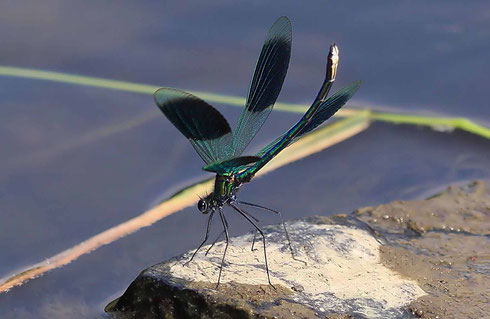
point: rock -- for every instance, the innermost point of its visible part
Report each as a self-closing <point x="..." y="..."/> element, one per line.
<point x="418" y="258"/>
<point x="444" y="244"/>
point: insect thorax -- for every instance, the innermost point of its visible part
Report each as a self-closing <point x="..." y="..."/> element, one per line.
<point x="224" y="186"/>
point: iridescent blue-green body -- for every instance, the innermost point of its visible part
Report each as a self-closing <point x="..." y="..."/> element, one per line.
<point x="224" y="185"/>
<point x="221" y="149"/>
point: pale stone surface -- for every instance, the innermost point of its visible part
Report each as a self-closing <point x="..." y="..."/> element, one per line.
<point x="343" y="270"/>
<point x="372" y="263"/>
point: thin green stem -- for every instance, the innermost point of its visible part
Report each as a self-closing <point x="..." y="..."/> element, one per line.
<point x="434" y="122"/>
<point x="128" y="86"/>
<point x="442" y="123"/>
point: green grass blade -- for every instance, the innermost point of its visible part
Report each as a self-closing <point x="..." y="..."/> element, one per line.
<point x="134" y="87"/>
<point x="443" y="123"/>
<point x="434" y="122"/>
<point x="77" y="80"/>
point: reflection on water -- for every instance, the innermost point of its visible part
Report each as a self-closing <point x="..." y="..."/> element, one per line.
<point x="76" y="161"/>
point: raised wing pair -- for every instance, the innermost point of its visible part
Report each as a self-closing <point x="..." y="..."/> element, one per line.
<point x="221" y="149"/>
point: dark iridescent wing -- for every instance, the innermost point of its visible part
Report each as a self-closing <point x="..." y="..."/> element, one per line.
<point x="326" y="110"/>
<point x="266" y="84"/>
<point x="231" y="166"/>
<point x="205" y="127"/>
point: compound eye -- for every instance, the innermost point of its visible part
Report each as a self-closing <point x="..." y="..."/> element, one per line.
<point x="202" y="206"/>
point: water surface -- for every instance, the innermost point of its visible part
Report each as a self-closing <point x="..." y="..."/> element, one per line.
<point x="77" y="160"/>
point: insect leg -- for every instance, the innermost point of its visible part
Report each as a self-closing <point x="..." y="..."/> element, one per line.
<point x="245" y="215"/>
<point x="282" y="222"/>
<point x="253" y="240"/>
<point x="255" y="232"/>
<point x="227" y="236"/>
<point x="214" y="242"/>
<point x="205" y="238"/>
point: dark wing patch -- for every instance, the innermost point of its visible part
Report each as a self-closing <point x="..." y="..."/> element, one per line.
<point x="269" y="74"/>
<point x="326" y="110"/>
<point x="204" y="126"/>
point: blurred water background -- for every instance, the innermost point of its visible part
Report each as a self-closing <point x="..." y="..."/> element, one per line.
<point x="75" y="161"/>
